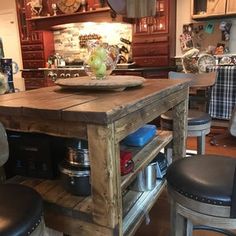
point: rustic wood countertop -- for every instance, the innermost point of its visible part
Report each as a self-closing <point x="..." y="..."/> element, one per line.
<point x="104" y="118"/>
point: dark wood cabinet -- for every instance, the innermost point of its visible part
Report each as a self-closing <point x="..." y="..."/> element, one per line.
<point x="154" y="37"/>
<point x="36" y="47"/>
<point x="36" y="79"/>
<point x="146" y="72"/>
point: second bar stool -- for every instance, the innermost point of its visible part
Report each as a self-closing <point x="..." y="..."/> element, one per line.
<point x="202" y="191"/>
<point x="199" y="122"/>
<point x="21" y="207"/>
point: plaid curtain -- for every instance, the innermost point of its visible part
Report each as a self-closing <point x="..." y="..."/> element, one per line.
<point x="223" y="93"/>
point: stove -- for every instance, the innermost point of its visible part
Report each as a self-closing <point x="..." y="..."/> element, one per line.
<point x="64" y="72"/>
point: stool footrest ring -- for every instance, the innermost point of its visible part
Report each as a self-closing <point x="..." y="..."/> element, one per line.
<point x="222" y="231"/>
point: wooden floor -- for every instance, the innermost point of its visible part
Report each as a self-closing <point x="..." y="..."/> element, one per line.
<point x="159" y="215"/>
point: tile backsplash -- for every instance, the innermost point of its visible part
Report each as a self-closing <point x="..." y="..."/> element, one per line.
<point x="70" y="40"/>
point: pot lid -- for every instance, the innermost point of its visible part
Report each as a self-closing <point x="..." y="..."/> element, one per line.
<point x="76" y="171"/>
<point x="119" y="6"/>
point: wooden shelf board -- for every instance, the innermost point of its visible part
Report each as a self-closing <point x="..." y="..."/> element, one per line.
<point x="99" y="15"/>
<point x="57" y="198"/>
<point x="216" y="16"/>
<point x="142" y="156"/>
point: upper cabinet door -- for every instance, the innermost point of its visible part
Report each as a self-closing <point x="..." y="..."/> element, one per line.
<point x="216" y="7"/>
<point x="231" y="7"/>
<point x="160" y="22"/>
<point x="156" y="24"/>
<point x="208" y="8"/>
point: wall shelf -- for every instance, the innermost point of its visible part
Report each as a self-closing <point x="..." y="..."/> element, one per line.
<point x="99" y="15"/>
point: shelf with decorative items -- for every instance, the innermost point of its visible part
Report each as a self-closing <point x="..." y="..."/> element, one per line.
<point x="99" y="15"/>
<point x="64" y="12"/>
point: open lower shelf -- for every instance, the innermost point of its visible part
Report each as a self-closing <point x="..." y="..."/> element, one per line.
<point x="135" y="204"/>
<point x="136" y="210"/>
<point x="57" y="198"/>
<point x="142" y="156"/>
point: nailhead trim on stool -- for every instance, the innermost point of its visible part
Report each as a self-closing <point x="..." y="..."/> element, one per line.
<point x="202" y="187"/>
<point x="22" y="209"/>
<point x="207" y="177"/>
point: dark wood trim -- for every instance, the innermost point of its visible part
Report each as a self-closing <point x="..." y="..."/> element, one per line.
<point x="100" y="15"/>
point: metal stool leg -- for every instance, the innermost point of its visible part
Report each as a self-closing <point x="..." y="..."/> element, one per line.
<point x="201" y="144"/>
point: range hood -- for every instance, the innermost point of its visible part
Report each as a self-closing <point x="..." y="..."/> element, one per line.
<point x="104" y="14"/>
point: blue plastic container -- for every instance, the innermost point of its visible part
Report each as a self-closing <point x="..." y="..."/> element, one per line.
<point x="140" y="137"/>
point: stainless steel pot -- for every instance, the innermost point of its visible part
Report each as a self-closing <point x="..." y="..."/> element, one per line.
<point x="78" y="154"/>
<point x="75" y="180"/>
<point x="78" y="157"/>
<point x="146" y="180"/>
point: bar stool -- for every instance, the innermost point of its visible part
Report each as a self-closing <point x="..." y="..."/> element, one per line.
<point x="202" y="192"/>
<point x="199" y="122"/>
<point x="21" y="207"/>
<point x="199" y="125"/>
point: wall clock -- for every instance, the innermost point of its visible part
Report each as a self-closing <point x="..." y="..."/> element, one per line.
<point x="204" y="61"/>
<point x="68" y="6"/>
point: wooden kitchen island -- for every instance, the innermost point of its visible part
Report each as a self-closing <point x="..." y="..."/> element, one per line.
<point x="104" y="119"/>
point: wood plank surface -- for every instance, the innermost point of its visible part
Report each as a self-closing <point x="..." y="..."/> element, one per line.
<point x="51" y="127"/>
<point x="134" y="120"/>
<point x="105" y="178"/>
<point x="96" y="107"/>
<point x="111" y="107"/>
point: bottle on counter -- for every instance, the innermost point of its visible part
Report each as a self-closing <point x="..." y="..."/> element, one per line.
<point x="49" y="62"/>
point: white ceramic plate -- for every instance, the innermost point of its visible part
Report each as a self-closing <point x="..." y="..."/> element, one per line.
<point x="204" y="61"/>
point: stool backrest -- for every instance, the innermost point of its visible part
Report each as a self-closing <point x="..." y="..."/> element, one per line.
<point x="4" y="149"/>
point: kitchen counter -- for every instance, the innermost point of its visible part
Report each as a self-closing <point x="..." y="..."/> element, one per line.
<point x="132" y="69"/>
<point x="104" y="119"/>
<point x="146" y="72"/>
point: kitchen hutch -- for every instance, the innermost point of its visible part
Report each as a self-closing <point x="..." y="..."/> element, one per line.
<point x="104" y="119"/>
<point x="36" y="47"/>
<point x="36" y="36"/>
<point x="154" y="37"/>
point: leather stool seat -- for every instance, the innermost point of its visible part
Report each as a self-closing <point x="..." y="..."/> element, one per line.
<point x="20" y="210"/>
<point x="202" y="191"/>
<point x="199" y="125"/>
<point x="208" y="179"/>
<point x="194" y="117"/>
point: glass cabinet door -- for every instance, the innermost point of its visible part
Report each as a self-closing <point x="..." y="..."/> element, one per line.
<point x="160" y="21"/>
<point x="156" y="24"/>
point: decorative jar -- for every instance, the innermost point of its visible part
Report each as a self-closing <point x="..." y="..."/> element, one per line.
<point x="101" y="59"/>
